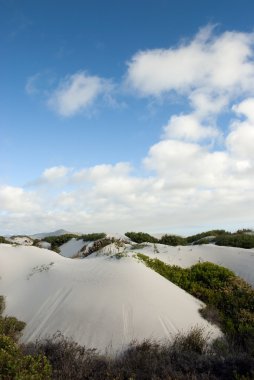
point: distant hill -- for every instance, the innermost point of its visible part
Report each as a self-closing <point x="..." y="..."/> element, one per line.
<point x="54" y="233"/>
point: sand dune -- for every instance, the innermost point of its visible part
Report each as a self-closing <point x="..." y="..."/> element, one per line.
<point x="100" y="302"/>
<point x="239" y="260"/>
<point x="72" y="247"/>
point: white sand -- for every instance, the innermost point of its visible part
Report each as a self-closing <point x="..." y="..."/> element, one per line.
<point x="72" y="247"/>
<point x="23" y="240"/>
<point x="239" y="260"/>
<point x="99" y="302"/>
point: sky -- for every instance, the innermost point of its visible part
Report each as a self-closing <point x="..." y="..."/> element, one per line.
<point x="125" y="115"/>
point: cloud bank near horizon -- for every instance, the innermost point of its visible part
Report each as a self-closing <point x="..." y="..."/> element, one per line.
<point x="199" y="174"/>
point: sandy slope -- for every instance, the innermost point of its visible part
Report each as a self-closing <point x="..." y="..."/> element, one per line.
<point x="23" y="240"/>
<point x="98" y="301"/>
<point x="72" y="247"/>
<point x="239" y="260"/>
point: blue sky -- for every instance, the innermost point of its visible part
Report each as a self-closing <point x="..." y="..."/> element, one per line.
<point x="110" y="109"/>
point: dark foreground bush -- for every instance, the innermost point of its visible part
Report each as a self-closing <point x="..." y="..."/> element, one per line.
<point x="187" y="357"/>
<point x="14" y="364"/>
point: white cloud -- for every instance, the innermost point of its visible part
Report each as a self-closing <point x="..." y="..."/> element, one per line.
<point x="240" y="139"/>
<point x="189" y="128"/>
<point x="197" y="174"/>
<point x="216" y="63"/>
<point x="77" y="92"/>
<point x="17" y="200"/>
<point x="55" y="173"/>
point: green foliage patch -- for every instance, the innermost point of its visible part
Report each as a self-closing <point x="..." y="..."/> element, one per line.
<point x="173" y="240"/>
<point x="191" y="239"/>
<point x="3" y="240"/>
<point x="220" y="289"/>
<point x="13" y="363"/>
<point x="93" y="236"/>
<point x="57" y="241"/>
<point x="240" y="240"/>
<point x="141" y="237"/>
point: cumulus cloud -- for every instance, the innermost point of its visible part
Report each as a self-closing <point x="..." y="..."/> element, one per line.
<point x="55" y="173"/>
<point x="221" y="63"/>
<point x="77" y="92"/>
<point x="240" y="139"/>
<point x="200" y="173"/>
<point x="17" y="200"/>
<point x="189" y="127"/>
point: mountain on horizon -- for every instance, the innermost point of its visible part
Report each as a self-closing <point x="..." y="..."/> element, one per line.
<point x="54" y="233"/>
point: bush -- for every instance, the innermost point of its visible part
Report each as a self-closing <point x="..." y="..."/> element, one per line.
<point x="240" y="240"/>
<point x="221" y="289"/>
<point x="93" y="236"/>
<point x="191" y="239"/>
<point x="172" y="240"/>
<point x="98" y="244"/>
<point x="13" y="363"/>
<point x="57" y="241"/>
<point x="141" y="237"/>
<point x="186" y="357"/>
<point x="3" y="240"/>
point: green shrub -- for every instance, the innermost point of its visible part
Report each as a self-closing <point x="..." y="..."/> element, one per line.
<point x="13" y="363"/>
<point x="219" y="288"/>
<point x="141" y="237"/>
<point x="187" y="357"/>
<point x="240" y="240"/>
<point x="3" y="240"/>
<point x="172" y="240"/>
<point x="97" y="245"/>
<point x="93" y="236"/>
<point x="191" y="239"/>
<point x="57" y="241"/>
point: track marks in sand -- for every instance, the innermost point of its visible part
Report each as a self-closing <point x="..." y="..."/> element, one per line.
<point x="46" y="311"/>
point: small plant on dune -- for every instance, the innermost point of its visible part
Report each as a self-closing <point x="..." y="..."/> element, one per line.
<point x="97" y="245"/>
<point x="40" y="269"/>
<point x="139" y="246"/>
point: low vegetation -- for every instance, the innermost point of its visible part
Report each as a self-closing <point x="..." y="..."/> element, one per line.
<point x="93" y="236"/>
<point x="229" y="299"/>
<point x="241" y="240"/>
<point x="141" y="237"/>
<point x="99" y="244"/>
<point x="193" y="238"/>
<point x="14" y="364"/>
<point x="174" y="240"/>
<point x="57" y="241"/>
<point x="187" y="357"/>
<point x="3" y="240"/>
